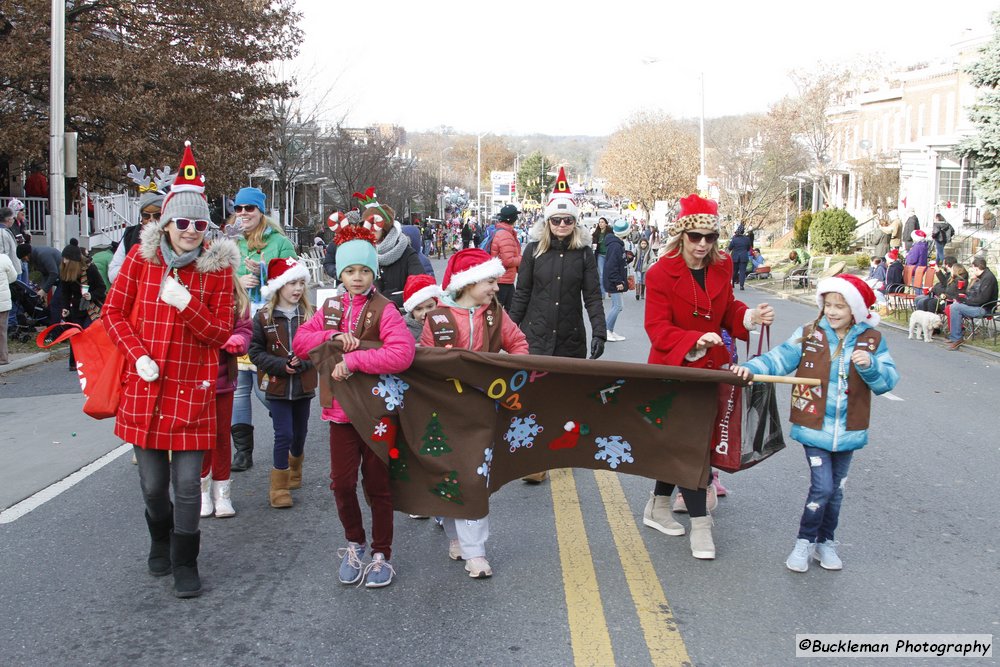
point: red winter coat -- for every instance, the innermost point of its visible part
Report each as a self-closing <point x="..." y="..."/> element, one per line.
<point x="671" y="325"/>
<point x="506" y="247"/>
<point x="177" y="411"/>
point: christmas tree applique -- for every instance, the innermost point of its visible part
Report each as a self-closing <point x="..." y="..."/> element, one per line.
<point x="656" y="410"/>
<point x="398" y="465"/>
<point x="435" y="443"/>
<point x="448" y="488"/>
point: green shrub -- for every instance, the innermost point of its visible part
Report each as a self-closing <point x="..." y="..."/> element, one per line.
<point x="863" y="261"/>
<point x="832" y="230"/>
<point x="801" y="236"/>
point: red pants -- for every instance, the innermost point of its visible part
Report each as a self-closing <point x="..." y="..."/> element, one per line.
<point x="217" y="461"/>
<point x="348" y="452"/>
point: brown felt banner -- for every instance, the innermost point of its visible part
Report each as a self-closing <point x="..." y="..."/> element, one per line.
<point x="457" y="425"/>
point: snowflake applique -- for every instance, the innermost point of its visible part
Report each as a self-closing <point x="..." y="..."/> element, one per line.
<point x="484" y="469"/>
<point x="522" y="432"/>
<point x="381" y="429"/>
<point x="614" y="450"/>
<point x="391" y="389"/>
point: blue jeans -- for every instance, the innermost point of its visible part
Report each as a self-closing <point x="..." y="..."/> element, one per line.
<point x="291" y="424"/>
<point x="939" y="257"/>
<point x="246" y="381"/>
<point x="600" y="270"/>
<point x="616" y="307"/>
<point x="828" y="472"/>
<point x="157" y="472"/>
<point x="958" y="311"/>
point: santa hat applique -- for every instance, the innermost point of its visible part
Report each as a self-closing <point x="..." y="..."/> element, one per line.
<point x="280" y="272"/>
<point x="570" y="437"/>
<point x="856" y="292"/>
<point x="374" y="212"/>
<point x="918" y="235"/>
<point x="187" y="193"/>
<point x="561" y="201"/>
<point x="469" y="266"/>
<point x="696" y="213"/>
<point x="419" y="288"/>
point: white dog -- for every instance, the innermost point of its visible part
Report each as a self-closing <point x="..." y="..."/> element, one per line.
<point x="923" y="323"/>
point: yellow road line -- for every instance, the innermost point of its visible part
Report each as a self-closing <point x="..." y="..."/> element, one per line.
<point x="666" y="646"/>
<point x="588" y="628"/>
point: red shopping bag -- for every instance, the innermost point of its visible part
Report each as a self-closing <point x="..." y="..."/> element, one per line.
<point x="99" y="363"/>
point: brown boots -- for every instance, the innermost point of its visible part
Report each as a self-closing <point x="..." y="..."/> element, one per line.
<point x="278" y="494"/>
<point x="295" y="469"/>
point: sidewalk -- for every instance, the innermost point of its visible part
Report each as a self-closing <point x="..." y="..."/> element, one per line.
<point x="19" y="360"/>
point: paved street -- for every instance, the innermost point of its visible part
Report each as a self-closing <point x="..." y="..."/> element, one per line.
<point x="578" y="579"/>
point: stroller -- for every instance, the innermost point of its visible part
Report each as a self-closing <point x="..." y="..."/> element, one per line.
<point x="30" y="312"/>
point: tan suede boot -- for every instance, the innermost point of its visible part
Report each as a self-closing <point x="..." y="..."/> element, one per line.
<point x="279" y="495"/>
<point x="702" y="545"/>
<point x="295" y="468"/>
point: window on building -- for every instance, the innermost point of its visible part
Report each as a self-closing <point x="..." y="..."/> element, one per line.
<point x="949" y="181"/>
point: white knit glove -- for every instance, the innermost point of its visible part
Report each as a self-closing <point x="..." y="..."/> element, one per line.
<point x="175" y="294"/>
<point x="147" y="369"/>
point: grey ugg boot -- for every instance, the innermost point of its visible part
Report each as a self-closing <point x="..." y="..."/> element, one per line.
<point x="702" y="545"/>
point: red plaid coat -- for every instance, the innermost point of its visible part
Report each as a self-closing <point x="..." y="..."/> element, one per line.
<point x="177" y="411"/>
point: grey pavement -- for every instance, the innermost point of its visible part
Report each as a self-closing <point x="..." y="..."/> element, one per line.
<point x="919" y="541"/>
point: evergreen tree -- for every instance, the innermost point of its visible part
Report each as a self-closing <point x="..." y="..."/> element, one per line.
<point x="984" y="147"/>
<point x="435" y="443"/>
<point x="656" y="410"/>
<point x="449" y="489"/>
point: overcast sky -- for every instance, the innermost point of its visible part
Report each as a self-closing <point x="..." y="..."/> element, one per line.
<point x="562" y="68"/>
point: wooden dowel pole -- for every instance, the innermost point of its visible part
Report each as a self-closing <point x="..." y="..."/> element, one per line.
<point x="787" y="379"/>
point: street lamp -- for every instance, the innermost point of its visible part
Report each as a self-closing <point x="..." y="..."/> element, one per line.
<point x="479" y="170"/>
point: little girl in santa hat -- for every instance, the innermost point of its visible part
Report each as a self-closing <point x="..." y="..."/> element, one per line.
<point x="843" y="350"/>
<point x="475" y="321"/>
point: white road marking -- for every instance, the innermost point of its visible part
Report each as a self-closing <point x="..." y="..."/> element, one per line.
<point x="15" y="512"/>
<point x="892" y="397"/>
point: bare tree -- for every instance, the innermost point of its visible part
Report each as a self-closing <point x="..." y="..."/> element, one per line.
<point x="878" y="181"/>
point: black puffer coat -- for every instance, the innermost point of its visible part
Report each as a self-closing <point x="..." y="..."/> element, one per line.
<point x="549" y="299"/>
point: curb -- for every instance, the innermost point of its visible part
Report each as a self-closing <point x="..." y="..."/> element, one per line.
<point x="33" y="359"/>
<point x="968" y="347"/>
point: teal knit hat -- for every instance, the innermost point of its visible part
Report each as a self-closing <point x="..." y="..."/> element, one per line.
<point x="356" y="245"/>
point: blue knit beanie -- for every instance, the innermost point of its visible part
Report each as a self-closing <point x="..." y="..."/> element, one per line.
<point x="252" y="196"/>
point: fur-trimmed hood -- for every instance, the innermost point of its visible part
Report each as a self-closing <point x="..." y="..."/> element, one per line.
<point x="222" y="253"/>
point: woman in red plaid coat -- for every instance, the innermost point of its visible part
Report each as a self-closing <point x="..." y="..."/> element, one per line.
<point x="182" y="293"/>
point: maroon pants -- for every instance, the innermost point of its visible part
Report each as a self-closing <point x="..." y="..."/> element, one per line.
<point x="348" y="452"/>
<point x="217" y="461"/>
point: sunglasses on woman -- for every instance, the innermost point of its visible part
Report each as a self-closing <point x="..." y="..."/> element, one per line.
<point x="562" y="221"/>
<point x="146" y="217"/>
<point x="248" y="208"/>
<point x="696" y="237"/>
<point x="183" y="223"/>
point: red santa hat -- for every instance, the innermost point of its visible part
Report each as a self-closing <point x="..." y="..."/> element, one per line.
<point x="187" y="193"/>
<point x="418" y="289"/>
<point x="280" y="272"/>
<point x="892" y="255"/>
<point x="469" y="266"/>
<point x="561" y="200"/>
<point x="918" y="235"/>
<point x="856" y="292"/>
<point x="188" y="178"/>
<point x="696" y="213"/>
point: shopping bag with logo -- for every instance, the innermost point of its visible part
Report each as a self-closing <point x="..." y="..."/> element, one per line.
<point x="748" y="426"/>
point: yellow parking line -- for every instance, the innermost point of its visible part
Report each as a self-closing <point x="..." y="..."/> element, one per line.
<point x="588" y="628"/>
<point x="666" y="646"/>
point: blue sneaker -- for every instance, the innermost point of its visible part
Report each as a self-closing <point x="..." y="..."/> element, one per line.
<point x="351" y="565"/>
<point x="798" y="560"/>
<point x="826" y="554"/>
<point x="378" y="573"/>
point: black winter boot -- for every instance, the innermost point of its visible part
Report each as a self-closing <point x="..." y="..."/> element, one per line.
<point x="243" y="444"/>
<point x="184" y="555"/>
<point x="159" y="545"/>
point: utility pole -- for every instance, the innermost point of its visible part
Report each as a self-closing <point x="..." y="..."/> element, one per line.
<point x="57" y="127"/>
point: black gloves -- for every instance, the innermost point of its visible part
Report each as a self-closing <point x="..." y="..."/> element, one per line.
<point x="596" y="348"/>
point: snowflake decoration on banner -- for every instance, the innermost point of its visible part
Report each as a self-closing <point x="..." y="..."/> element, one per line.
<point x="391" y="389"/>
<point x="614" y="450"/>
<point x="522" y="432"/>
<point x="484" y="469"/>
<point x="381" y="429"/>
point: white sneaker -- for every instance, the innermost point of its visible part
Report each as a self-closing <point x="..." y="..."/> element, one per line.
<point x="455" y="550"/>
<point x="479" y="568"/>
<point x="207" y="508"/>
<point x="614" y="338"/>
<point x="220" y="496"/>
<point x="826" y="554"/>
<point x="798" y="560"/>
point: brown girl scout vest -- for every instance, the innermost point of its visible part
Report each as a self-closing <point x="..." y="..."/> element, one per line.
<point x="367" y="329"/>
<point x="278" y="345"/>
<point x="444" y="328"/>
<point x="809" y="403"/>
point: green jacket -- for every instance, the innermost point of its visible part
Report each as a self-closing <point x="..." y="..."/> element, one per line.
<point x="101" y="260"/>
<point x="276" y="245"/>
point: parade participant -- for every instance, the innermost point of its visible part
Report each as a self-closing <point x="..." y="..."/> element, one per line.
<point x="643" y="258"/>
<point x="419" y="298"/>
<point x="260" y="241"/>
<point x="179" y="295"/>
<point x="397" y="259"/>
<point x="843" y="349"/>
<point x="689" y="301"/>
<point x="359" y="313"/>
<point x="507" y="249"/>
<point x="615" y="276"/>
<point x="79" y="293"/>
<point x="479" y="323"/>
<point x="289" y="380"/>
<point x="601" y="230"/>
<point x="216" y="484"/>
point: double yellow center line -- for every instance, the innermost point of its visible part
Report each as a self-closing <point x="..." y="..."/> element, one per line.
<point x="587" y="625"/>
